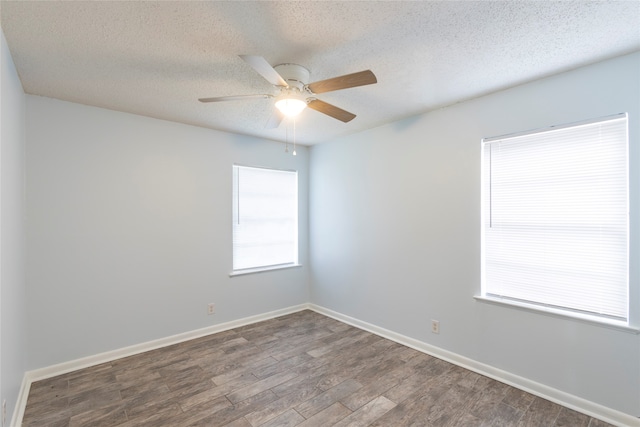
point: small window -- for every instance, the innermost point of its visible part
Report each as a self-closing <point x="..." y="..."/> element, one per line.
<point x="265" y="218"/>
<point x="555" y="219"/>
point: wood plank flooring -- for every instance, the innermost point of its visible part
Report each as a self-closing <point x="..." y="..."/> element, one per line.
<point x="303" y="369"/>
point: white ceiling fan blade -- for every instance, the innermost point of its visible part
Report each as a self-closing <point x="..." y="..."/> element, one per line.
<point x="265" y="69"/>
<point x="233" y="98"/>
<point x="275" y="119"/>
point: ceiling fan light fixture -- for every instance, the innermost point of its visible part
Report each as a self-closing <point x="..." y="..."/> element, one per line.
<point x="291" y="105"/>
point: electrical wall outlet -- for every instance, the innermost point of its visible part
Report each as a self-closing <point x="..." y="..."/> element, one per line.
<point x="435" y="326"/>
<point x="211" y="308"/>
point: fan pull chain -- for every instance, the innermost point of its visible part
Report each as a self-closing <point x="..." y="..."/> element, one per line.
<point x="294" y="136"/>
<point x="286" y="140"/>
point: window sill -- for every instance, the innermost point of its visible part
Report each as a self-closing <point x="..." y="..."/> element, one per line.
<point x="262" y="269"/>
<point x="612" y="324"/>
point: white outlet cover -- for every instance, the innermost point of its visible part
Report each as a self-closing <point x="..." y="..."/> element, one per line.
<point x="435" y="326"/>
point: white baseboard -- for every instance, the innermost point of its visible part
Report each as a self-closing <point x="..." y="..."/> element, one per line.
<point x="85" y="362"/>
<point x="584" y="406"/>
<point x="576" y="403"/>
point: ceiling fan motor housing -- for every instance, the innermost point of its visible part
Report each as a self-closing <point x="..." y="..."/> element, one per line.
<point x="295" y="75"/>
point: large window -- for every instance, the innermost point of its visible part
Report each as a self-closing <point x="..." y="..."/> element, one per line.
<point x="555" y="219"/>
<point x="265" y="218"/>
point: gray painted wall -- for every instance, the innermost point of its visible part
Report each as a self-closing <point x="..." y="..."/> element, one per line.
<point x="13" y="321"/>
<point x="130" y="230"/>
<point x="129" y="236"/>
<point x="395" y="234"/>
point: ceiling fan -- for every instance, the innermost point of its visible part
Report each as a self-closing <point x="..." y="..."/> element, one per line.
<point x="295" y="93"/>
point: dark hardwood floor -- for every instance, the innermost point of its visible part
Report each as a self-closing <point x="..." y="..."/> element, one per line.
<point x="303" y="369"/>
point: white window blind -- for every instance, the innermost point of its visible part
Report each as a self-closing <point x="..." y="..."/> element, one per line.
<point x="265" y="217"/>
<point x="555" y="218"/>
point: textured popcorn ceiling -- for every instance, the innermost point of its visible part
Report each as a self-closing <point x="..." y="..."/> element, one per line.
<point x="156" y="58"/>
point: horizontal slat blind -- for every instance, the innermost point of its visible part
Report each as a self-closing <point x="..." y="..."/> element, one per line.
<point x="265" y="217"/>
<point x="556" y="218"/>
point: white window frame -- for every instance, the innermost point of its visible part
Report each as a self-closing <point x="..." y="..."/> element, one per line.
<point x="247" y="257"/>
<point x="488" y="295"/>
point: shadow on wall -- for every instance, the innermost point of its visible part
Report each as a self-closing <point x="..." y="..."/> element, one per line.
<point x="407" y="123"/>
